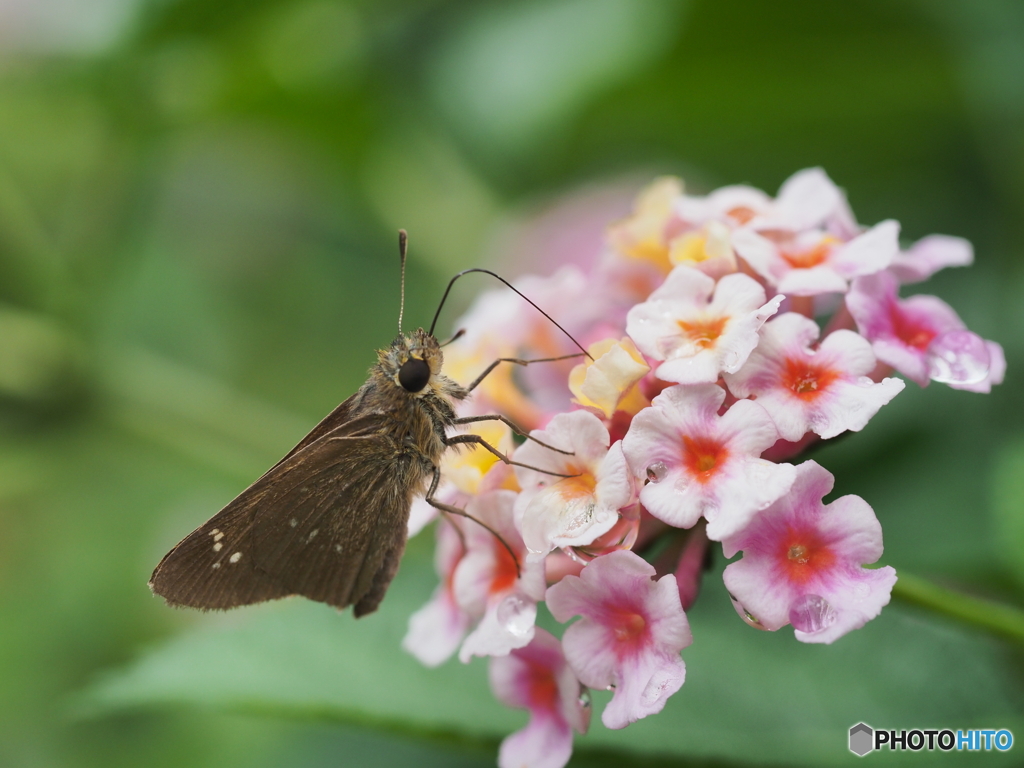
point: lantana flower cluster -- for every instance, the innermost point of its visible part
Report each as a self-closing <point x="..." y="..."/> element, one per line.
<point x="726" y="333"/>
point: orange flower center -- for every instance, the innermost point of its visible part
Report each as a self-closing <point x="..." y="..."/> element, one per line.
<point x="629" y="627"/>
<point x="811" y="257"/>
<point x="571" y="488"/>
<point x="805" y="554"/>
<point x="806" y="380"/>
<point x="911" y="333"/>
<point x="702" y="455"/>
<point x="543" y="687"/>
<point x="740" y="214"/>
<point x="703" y="333"/>
<point x="505" y="573"/>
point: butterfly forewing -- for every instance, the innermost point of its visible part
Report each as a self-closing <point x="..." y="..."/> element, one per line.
<point x="327" y="522"/>
<point x="200" y="572"/>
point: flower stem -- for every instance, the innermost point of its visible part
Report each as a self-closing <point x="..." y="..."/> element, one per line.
<point x="998" y="618"/>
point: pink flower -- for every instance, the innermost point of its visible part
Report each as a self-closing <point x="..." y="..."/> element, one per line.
<point x="572" y="511"/>
<point x="698" y="328"/>
<point x="734" y="206"/>
<point x="921" y="337"/>
<point x="805" y="200"/>
<point x="813" y="261"/>
<point x="537" y="678"/>
<point x="436" y="629"/>
<point x="421" y="514"/>
<point x="630" y="636"/>
<point x="802" y="562"/>
<point x="699" y="463"/>
<point x="826" y="391"/>
<point x="930" y="254"/>
<point x="486" y="583"/>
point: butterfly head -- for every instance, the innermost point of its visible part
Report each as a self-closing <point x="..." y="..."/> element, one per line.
<point x="413" y="362"/>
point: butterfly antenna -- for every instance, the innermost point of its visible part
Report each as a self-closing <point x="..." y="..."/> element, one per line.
<point x="403" y="247"/>
<point x="515" y="290"/>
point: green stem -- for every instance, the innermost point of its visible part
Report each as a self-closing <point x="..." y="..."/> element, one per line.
<point x="998" y="618"/>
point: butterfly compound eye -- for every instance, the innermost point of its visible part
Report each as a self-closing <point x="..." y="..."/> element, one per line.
<point x="414" y="374"/>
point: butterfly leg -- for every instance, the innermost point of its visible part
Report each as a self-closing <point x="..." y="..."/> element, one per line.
<point x="477" y="440"/>
<point x="518" y="430"/>
<point x="452" y="510"/>
<point x="476" y="382"/>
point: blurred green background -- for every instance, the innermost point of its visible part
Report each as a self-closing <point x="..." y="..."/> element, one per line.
<point x="198" y="206"/>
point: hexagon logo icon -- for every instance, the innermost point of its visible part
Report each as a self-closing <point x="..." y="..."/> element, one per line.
<point x="862" y="739"/>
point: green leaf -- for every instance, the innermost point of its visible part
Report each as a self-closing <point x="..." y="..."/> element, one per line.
<point x="749" y="695"/>
<point x="1008" y="509"/>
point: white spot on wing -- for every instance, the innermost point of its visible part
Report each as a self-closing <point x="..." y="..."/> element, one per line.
<point x="337" y="548"/>
<point x="313" y="533"/>
<point x="216" y="566"/>
<point x="235" y="557"/>
<point x="215" y="531"/>
<point x="293" y="522"/>
<point x="219" y="536"/>
<point x="217" y="546"/>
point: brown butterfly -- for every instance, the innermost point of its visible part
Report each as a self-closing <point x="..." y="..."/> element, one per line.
<point x="329" y="520"/>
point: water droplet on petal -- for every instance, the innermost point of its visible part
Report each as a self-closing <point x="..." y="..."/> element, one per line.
<point x="622" y="535"/>
<point x="812" y="613"/>
<point x="656" y="471"/>
<point x="746" y="615"/>
<point x="584" y="700"/>
<point x="516" y="614"/>
<point x="577" y="515"/>
<point x="958" y="357"/>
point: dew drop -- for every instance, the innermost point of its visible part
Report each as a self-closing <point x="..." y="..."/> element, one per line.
<point x="656" y="471"/>
<point x="621" y="535"/>
<point x="584" y="700"/>
<point x="812" y="613"/>
<point x="516" y="615"/>
<point x="747" y="616"/>
<point x="577" y="515"/>
<point x="958" y="357"/>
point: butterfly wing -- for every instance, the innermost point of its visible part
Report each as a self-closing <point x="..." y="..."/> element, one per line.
<point x="336" y="534"/>
<point x="327" y="522"/>
<point x="345" y="419"/>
